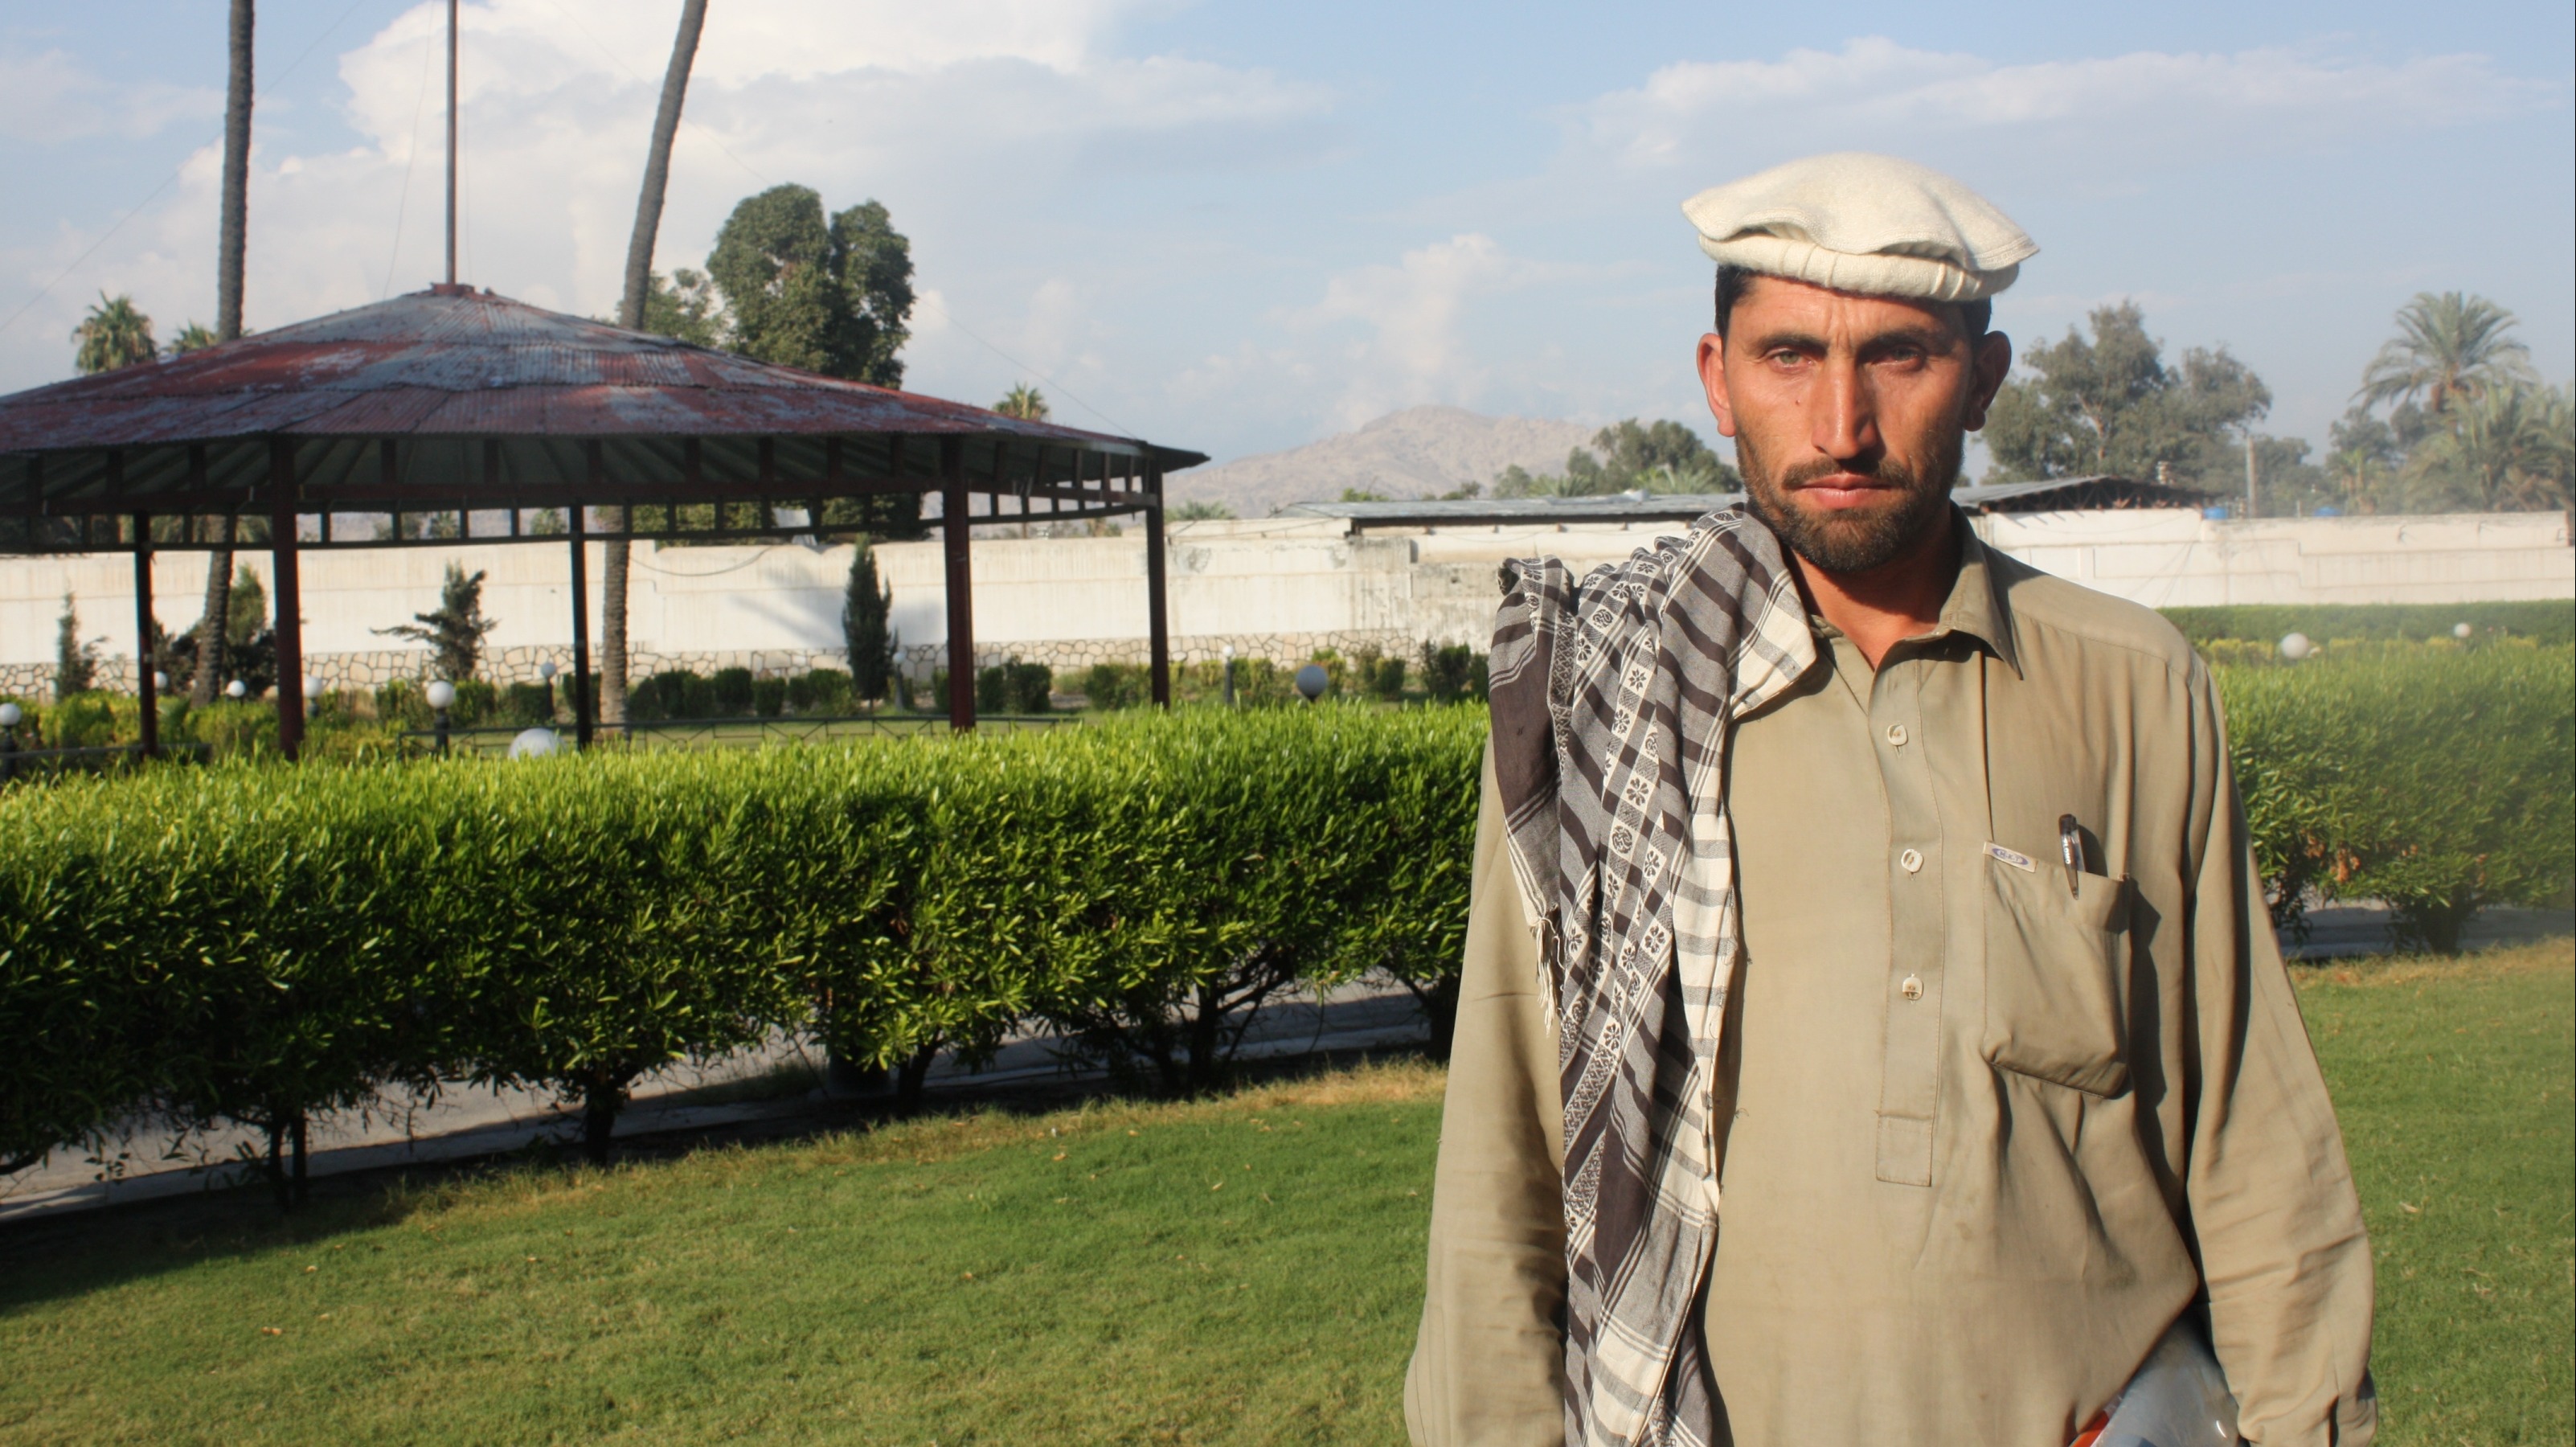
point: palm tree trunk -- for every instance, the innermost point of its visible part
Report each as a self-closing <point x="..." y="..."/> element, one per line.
<point x="228" y="326"/>
<point x="613" y="572"/>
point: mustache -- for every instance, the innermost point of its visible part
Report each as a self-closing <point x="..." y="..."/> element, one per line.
<point x="1886" y="470"/>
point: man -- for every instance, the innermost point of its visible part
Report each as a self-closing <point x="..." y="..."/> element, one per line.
<point x="1895" y="890"/>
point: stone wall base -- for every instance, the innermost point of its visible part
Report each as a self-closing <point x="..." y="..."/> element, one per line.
<point x="372" y="670"/>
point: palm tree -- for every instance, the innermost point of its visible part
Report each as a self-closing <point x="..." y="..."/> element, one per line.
<point x="2447" y="348"/>
<point x="2513" y="441"/>
<point x="194" y="337"/>
<point x="1024" y="402"/>
<point x="231" y="245"/>
<point x="113" y="335"/>
<point x="615" y="562"/>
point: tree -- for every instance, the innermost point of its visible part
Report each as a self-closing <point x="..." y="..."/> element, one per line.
<point x="632" y="312"/>
<point x="2449" y="348"/>
<point x="1024" y="402"/>
<point x="827" y="296"/>
<point x="194" y="337"/>
<point x="1658" y="457"/>
<point x="2507" y="450"/>
<point x="2110" y="404"/>
<point x="455" y="630"/>
<point x="867" y="627"/>
<point x="684" y="307"/>
<point x="1199" y="509"/>
<point x="231" y="244"/>
<point x="113" y="335"/>
<point x="75" y="659"/>
<point x="2363" y="459"/>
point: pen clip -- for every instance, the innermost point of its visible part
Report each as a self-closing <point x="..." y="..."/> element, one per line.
<point x="2070" y="847"/>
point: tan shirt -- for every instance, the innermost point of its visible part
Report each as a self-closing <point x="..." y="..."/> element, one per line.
<point x="1987" y="1137"/>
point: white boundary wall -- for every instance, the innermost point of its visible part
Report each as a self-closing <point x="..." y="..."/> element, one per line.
<point x="1276" y="588"/>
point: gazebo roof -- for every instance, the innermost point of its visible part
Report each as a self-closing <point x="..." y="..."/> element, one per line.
<point x="458" y="401"/>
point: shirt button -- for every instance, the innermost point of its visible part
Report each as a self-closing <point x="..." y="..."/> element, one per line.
<point x="1912" y="860"/>
<point x="1912" y="989"/>
<point x="1896" y="735"/>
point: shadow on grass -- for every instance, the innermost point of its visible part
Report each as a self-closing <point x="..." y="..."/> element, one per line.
<point x="48" y="1258"/>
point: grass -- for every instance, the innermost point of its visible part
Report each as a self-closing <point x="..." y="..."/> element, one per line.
<point x="1245" y="1270"/>
<point x="2452" y="1080"/>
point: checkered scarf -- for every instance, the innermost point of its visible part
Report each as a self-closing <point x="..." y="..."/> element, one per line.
<point x="1612" y="701"/>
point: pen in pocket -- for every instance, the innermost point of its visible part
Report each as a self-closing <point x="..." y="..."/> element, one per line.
<point x="2070" y="846"/>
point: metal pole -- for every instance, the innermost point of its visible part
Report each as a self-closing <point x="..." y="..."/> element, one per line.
<point x="2250" y="510"/>
<point x="451" y="142"/>
<point x="581" y="620"/>
<point x="290" y="596"/>
<point x="1158" y="624"/>
<point x="147" y="696"/>
<point x="953" y="524"/>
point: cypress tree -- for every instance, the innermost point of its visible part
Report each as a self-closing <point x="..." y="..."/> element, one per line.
<point x="866" y="627"/>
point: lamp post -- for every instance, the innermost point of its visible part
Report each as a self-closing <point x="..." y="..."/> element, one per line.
<point x="546" y="672"/>
<point x="442" y="696"/>
<point x="1229" y="675"/>
<point x="312" y="694"/>
<point x="1312" y="680"/>
<point x="10" y="713"/>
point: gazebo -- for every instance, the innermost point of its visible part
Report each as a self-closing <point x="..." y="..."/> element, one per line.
<point x="508" y="423"/>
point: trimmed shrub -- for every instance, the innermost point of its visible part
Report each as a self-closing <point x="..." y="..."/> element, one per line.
<point x="2438" y="780"/>
<point x="524" y="705"/>
<point x="732" y="692"/>
<point x="769" y="697"/>
<point x="2549" y="624"/>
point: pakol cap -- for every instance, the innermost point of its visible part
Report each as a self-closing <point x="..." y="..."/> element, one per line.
<point x="1862" y="223"/>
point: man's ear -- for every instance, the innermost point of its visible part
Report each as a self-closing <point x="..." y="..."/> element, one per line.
<point x="1712" y="376"/>
<point x="1994" y="364"/>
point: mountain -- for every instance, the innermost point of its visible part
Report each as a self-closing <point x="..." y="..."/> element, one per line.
<point x="1421" y="450"/>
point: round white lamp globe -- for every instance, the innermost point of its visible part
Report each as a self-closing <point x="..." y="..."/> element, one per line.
<point x="440" y="693"/>
<point x="1312" y="680"/>
<point x="2462" y="631"/>
<point x="2296" y="646"/>
<point x="547" y="670"/>
<point x="236" y="689"/>
<point x="312" y="684"/>
<point x="533" y="743"/>
<point x="160" y="680"/>
<point x="10" y="713"/>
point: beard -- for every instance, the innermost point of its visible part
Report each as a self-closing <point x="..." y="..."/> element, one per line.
<point x="1853" y="540"/>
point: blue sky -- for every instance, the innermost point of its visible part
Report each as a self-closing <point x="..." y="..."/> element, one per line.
<point x="1242" y="227"/>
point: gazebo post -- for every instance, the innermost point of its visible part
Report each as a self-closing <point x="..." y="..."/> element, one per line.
<point x="1158" y="626"/>
<point x="147" y="696"/>
<point x="290" y="596"/>
<point x="580" y="626"/>
<point x="953" y="525"/>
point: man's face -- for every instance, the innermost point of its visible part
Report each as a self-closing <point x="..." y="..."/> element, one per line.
<point x="1849" y="414"/>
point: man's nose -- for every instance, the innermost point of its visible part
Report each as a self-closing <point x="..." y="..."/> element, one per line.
<point x="1846" y="416"/>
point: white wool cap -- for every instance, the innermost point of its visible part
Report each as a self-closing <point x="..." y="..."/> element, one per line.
<point x="1862" y="223"/>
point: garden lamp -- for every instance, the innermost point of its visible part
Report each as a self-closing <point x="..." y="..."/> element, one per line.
<point x="2296" y="646"/>
<point x="546" y="671"/>
<point x="534" y="743"/>
<point x="10" y="713"/>
<point x="1229" y="675"/>
<point x="312" y="693"/>
<point x="160" y="681"/>
<point x="236" y="689"/>
<point x="441" y="695"/>
<point x="1312" y="680"/>
<point x="2462" y="631"/>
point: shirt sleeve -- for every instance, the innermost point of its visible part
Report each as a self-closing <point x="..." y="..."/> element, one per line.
<point x="1489" y="1364"/>
<point x="2278" y="1224"/>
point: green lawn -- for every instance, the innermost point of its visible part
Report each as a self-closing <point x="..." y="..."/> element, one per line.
<point x="1245" y="1270"/>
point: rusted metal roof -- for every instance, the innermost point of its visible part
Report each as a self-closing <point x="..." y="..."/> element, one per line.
<point x="455" y="399"/>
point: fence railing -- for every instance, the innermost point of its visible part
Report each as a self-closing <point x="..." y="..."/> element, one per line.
<point x="754" y="731"/>
<point x="24" y="763"/>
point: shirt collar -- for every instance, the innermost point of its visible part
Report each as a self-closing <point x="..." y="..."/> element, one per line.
<point x="1976" y="608"/>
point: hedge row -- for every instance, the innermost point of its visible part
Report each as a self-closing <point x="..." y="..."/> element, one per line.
<point x="254" y="944"/>
<point x="2552" y="624"/>
<point x="257" y="943"/>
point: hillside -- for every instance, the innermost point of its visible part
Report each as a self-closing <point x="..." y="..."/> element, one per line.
<point x="1422" y="450"/>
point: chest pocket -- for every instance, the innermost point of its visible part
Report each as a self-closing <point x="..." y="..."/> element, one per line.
<point x="2057" y="976"/>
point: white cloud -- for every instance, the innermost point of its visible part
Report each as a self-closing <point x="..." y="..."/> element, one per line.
<point x="51" y="98"/>
<point x="968" y="118"/>
<point x="2185" y="108"/>
<point x="1409" y="346"/>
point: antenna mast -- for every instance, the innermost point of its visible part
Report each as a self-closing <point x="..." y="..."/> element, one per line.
<point x="451" y="142"/>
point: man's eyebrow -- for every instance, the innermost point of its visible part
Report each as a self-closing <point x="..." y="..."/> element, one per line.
<point x="1795" y="341"/>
